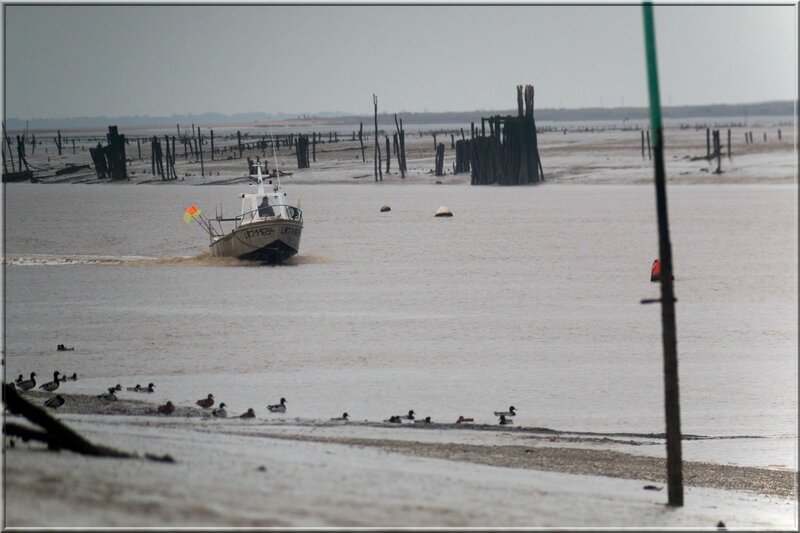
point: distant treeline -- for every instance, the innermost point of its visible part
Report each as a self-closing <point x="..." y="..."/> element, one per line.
<point x="776" y="108"/>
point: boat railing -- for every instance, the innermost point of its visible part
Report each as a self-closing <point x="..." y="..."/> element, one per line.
<point x="284" y="211"/>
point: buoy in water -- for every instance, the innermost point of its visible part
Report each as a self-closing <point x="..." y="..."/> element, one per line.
<point x="655" y="270"/>
<point x="443" y="211"/>
<point x="385" y="208"/>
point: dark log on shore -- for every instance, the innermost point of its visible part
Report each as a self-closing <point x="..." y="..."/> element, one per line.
<point x="10" y="177"/>
<point x="70" y="169"/>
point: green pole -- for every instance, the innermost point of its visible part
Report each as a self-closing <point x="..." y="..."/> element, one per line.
<point x="669" y="338"/>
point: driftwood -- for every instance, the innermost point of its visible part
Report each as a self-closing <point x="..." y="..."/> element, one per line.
<point x="56" y="434"/>
<point x="70" y="169"/>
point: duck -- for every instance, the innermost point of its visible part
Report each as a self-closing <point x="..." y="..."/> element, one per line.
<point x="73" y="377"/>
<point x="462" y="420"/>
<point x="505" y="421"/>
<point x="409" y="416"/>
<point x="149" y="388"/>
<point x="426" y="420"/>
<point x="249" y="414"/>
<point x="511" y="412"/>
<point x="62" y="378"/>
<point x="19" y="380"/>
<point x="109" y="396"/>
<point x="344" y="418"/>
<point x="50" y="386"/>
<point x="394" y="419"/>
<point x="205" y="403"/>
<point x="166" y="409"/>
<point x="220" y="412"/>
<point x="278" y="407"/>
<point x="55" y="402"/>
<point x="135" y="389"/>
<point x="28" y="384"/>
<point x="118" y="387"/>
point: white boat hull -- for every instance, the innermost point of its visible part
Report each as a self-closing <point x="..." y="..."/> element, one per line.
<point x="271" y="241"/>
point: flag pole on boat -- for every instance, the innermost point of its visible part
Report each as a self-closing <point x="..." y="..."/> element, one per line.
<point x="668" y="336"/>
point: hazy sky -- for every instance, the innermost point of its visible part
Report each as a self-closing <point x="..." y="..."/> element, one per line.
<point x="63" y="60"/>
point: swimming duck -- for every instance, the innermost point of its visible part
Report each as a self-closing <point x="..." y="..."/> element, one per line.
<point x="426" y="420"/>
<point x="55" y="402"/>
<point x="249" y="414"/>
<point x="166" y="409"/>
<point x="135" y="389"/>
<point x="505" y="421"/>
<point x="205" y="403"/>
<point x="149" y="388"/>
<point x="409" y="416"/>
<point x="19" y="380"/>
<point x="62" y="378"/>
<point x="511" y="412"/>
<point x="28" y="384"/>
<point x="343" y="418"/>
<point x="109" y="396"/>
<point x="462" y="420"/>
<point x="278" y="407"/>
<point x="118" y="387"/>
<point x="220" y="412"/>
<point x="394" y="419"/>
<point x="73" y="377"/>
<point x="50" y="386"/>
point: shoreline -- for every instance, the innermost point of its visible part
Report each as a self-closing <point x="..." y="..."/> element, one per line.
<point x="543" y="449"/>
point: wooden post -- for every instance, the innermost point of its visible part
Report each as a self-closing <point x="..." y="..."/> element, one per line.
<point x="314" y="147"/>
<point x="439" y="165"/>
<point x="729" y="143"/>
<point x="59" y="142"/>
<point x="169" y="172"/>
<point x="642" y="144"/>
<point x="388" y="155"/>
<point x="139" y="148"/>
<point x="649" y="155"/>
<point x="765" y="136"/>
<point x="399" y="149"/>
<point x="152" y="156"/>
<point x="73" y="145"/>
<point x="779" y="134"/>
<point x="212" y="145"/>
<point x="200" y="149"/>
<point x="172" y="162"/>
<point x="361" y="140"/>
<point x="718" y="150"/>
<point x="472" y="130"/>
<point x="239" y="141"/>
<point x="8" y="144"/>
<point x="452" y="141"/>
<point x="708" y="144"/>
<point x="33" y="141"/>
<point x="377" y="144"/>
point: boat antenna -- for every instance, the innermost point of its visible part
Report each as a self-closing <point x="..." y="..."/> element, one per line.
<point x="275" y="155"/>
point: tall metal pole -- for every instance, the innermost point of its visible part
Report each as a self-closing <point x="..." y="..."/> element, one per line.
<point x="669" y="339"/>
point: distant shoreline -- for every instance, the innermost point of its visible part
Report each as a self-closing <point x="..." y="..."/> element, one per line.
<point x="771" y="108"/>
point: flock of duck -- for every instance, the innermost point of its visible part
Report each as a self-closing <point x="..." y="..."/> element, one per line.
<point x="505" y="417"/>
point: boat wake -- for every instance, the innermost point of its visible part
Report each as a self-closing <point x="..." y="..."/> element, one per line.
<point x="202" y="259"/>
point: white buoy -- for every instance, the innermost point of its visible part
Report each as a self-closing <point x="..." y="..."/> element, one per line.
<point x="385" y="207"/>
<point x="443" y="211"/>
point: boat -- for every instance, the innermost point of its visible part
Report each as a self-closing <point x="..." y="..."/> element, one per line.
<point x="268" y="229"/>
